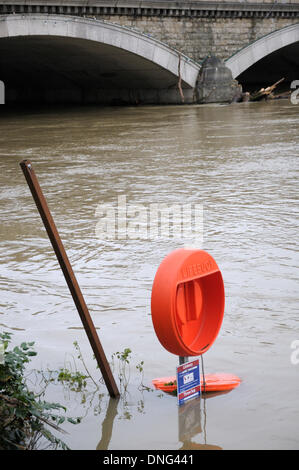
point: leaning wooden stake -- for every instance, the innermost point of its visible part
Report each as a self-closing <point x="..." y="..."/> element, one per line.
<point x="65" y="265"/>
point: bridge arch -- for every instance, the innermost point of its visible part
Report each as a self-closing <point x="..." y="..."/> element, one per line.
<point x="96" y="56"/>
<point x="261" y="48"/>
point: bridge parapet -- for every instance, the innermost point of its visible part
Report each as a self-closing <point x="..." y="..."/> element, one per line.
<point x="156" y="8"/>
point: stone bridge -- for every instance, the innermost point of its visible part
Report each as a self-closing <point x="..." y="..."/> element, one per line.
<point x="140" y="52"/>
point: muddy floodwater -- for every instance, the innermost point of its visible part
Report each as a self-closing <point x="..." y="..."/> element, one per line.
<point x="240" y="163"/>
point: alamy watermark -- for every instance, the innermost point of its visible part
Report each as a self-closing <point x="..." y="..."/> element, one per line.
<point x="154" y="221"/>
<point x="295" y="94"/>
<point x="2" y="92"/>
<point x="295" y="353"/>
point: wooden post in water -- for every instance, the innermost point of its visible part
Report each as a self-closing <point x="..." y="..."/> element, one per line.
<point x="67" y="270"/>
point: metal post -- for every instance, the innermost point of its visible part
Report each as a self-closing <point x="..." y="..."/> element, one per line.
<point x="70" y="278"/>
<point x="183" y="360"/>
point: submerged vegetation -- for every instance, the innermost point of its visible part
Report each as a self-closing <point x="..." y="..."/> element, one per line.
<point x="27" y="420"/>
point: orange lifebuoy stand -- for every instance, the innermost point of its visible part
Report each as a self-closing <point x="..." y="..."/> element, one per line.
<point x="187" y="302"/>
<point x="211" y="383"/>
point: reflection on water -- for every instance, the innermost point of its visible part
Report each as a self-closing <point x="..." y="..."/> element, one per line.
<point x="189" y="424"/>
<point x="240" y="163"/>
<point x="191" y="417"/>
<point x="107" y="424"/>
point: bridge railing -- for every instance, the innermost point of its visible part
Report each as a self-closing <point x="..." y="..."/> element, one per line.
<point x="160" y="8"/>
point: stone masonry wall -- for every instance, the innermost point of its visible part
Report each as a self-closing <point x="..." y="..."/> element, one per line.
<point x="197" y="37"/>
<point x="194" y="27"/>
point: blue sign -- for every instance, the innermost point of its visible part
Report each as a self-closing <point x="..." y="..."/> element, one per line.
<point x="188" y="381"/>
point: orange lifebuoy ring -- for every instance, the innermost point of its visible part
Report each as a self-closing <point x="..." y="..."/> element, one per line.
<point x="187" y="302"/>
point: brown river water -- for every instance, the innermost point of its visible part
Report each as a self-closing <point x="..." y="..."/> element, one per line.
<point x="240" y="163"/>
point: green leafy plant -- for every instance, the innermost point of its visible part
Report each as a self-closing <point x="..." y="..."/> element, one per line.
<point x="123" y="367"/>
<point x="80" y="356"/>
<point x="140" y="368"/>
<point x="77" y="381"/>
<point x="26" y="421"/>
